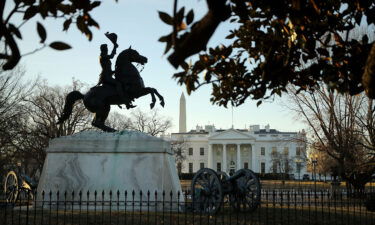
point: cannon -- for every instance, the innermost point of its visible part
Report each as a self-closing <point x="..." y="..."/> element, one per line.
<point x="210" y="189"/>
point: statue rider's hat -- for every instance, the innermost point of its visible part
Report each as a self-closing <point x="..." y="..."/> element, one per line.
<point x="112" y="37"/>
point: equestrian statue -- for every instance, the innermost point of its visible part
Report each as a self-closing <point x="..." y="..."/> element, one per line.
<point x="126" y="86"/>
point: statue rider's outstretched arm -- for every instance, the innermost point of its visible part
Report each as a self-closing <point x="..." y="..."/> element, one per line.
<point x="113" y="51"/>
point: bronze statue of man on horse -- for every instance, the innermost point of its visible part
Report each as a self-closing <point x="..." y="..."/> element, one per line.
<point x="126" y="86"/>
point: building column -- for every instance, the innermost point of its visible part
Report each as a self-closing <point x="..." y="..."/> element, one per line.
<point x="210" y="158"/>
<point x="252" y="166"/>
<point x="239" y="166"/>
<point x="224" y="167"/>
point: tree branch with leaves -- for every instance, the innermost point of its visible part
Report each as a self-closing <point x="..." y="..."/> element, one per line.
<point x="71" y="12"/>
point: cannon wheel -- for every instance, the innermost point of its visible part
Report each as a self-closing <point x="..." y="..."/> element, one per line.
<point x="11" y="187"/>
<point x="223" y="176"/>
<point x="246" y="195"/>
<point x="207" y="192"/>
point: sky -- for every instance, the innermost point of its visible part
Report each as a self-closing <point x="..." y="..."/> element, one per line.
<point x="136" y="23"/>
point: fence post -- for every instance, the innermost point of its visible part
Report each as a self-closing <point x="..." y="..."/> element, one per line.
<point x="80" y="206"/>
<point x="110" y="207"/>
<point x="170" y="205"/>
<point x="125" y="204"/>
<point x="118" y="206"/>
<point x="95" y="197"/>
<point x="103" y="195"/>
<point x="148" y="206"/>
<point x="133" y="206"/>
<point x="27" y="206"/>
<point x="87" y="206"/>
<point x="57" y="206"/>
<point x="156" y="205"/>
<point x="178" y="207"/>
<point x="163" y="199"/>
<point x="140" y="206"/>
<point x="65" y="195"/>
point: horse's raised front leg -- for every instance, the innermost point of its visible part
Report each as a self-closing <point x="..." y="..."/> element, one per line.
<point x="150" y="91"/>
<point x="161" y="99"/>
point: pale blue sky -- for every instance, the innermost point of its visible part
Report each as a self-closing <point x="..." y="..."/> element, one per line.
<point x="136" y="23"/>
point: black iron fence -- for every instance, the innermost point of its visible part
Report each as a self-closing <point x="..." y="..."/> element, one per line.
<point x="303" y="207"/>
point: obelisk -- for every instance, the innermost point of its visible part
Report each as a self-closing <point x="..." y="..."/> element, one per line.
<point x="182" y="127"/>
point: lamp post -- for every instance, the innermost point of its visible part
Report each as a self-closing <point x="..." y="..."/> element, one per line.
<point x="314" y="162"/>
<point x="298" y="162"/>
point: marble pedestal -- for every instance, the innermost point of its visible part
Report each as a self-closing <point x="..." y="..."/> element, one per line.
<point x="126" y="163"/>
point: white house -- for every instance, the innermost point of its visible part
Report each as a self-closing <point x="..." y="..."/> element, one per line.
<point x="233" y="149"/>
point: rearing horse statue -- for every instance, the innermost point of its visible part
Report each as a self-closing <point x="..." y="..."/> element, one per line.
<point x="99" y="99"/>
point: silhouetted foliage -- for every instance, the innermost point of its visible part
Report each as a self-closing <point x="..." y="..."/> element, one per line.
<point x="275" y="43"/>
<point x="71" y="12"/>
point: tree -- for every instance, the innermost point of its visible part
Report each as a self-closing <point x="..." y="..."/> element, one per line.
<point x="325" y="165"/>
<point x="71" y="11"/>
<point x="151" y="122"/>
<point x="13" y="91"/>
<point x="274" y="43"/>
<point x="42" y="110"/>
<point x="281" y="163"/>
<point x="179" y="148"/>
<point x="342" y="127"/>
<point x="119" y="121"/>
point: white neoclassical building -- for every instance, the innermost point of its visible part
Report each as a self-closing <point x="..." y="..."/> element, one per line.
<point x="232" y="149"/>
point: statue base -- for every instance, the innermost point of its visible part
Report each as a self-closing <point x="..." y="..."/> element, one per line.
<point x="96" y="169"/>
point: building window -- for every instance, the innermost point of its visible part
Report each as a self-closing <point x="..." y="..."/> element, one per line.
<point x="262" y="151"/>
<point x="263" y="167"/>
<point x="190" y="167"/>
<point x="286" y="151"/>
<point x="202" y="165"/>
<point x="179" y="167"/>
<point x="274" y="167"/>
<point x="298" y="166"/>
<point x="201" y="150"/>
<point x="274" y="150"/>
<point x="298" y="151"/>
<point x="218" y="167"/>
<point x="190" y="151"/>
<point x="246" y="165"/>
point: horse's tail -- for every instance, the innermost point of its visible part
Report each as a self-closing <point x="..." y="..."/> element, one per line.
<point x="71" y="98"/>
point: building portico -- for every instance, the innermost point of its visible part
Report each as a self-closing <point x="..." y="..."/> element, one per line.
<point x="230" y="151"/>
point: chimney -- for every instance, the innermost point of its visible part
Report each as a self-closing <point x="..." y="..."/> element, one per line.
<point x="254" y="128"/>
<point x="267" y="128"/>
